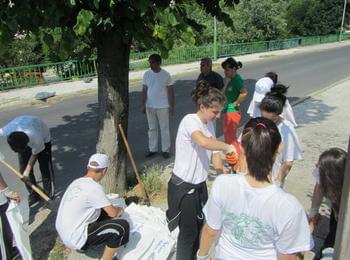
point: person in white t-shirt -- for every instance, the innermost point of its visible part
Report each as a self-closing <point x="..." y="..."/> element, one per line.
<point x="7" y="250"/>
<point x="249" y="216"/>
<point x="86" y="217"/>
<point x="329" y="174"/>
<point x="187" y="190"/>
<point x="271" y="107"/>
<point x="30" y="137"/>
<point x="263" y="86"/>
<point x="158" y="103"/>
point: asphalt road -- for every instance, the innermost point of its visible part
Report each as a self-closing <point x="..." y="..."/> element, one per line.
<point x="73" y="122"/>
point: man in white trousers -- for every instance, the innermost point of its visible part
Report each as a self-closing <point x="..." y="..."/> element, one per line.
<point x="158" y="103"/>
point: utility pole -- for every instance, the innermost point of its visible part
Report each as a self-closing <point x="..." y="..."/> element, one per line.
<point x="342" y="240"/>
<point x="342" y="21"/>
<point x="215" y="40"/>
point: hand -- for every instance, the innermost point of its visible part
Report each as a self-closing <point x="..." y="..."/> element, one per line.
<point x="121" y="212"/>
<point x="12" y="195"/>
<point x="226" y="170"/>
<point x="313" y="221"/>
<point x="143" y="109"/>
<point x="231" y="149"/>
<point x="25" y="179"/>
<point x="232" y="159"/>
<point x="17" y="199"/>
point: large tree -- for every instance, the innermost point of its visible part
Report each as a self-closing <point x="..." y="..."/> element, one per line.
<point x="314" y="17"/>
<point x="109" y="26"/>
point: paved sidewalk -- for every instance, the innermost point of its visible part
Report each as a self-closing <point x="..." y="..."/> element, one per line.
<point x="26" y="96"/>
<point x="324" y="122"/>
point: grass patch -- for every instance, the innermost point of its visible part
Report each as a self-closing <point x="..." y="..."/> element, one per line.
<point x="59" y="251"/>
<point x="154" y="180"/>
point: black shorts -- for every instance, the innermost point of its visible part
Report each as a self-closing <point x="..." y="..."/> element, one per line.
<point x="110" y="232"/>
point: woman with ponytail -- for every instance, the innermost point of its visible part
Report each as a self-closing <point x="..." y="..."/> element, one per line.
<point x="235" y="94"/>
<point x="195" y="146"/>
<point x="271" y="107"/>
<point x="250" y="217"/>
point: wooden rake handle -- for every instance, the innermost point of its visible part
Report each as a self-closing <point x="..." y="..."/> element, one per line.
<point x="133" y="164"/>
<point x="35" y="188"/>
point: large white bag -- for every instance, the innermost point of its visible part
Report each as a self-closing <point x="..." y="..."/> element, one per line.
<point x="18" y="217"/>
<point x="150" y="237"/>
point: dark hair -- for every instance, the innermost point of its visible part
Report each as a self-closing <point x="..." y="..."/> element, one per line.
<point x="274" y="100"/>
<point x="331" y="165"/>
<point x="18" y="141"/>
<point x="231" y="63"/>
<point x="155" y="57"/>
<point x="205" y="95"/>
<point x="207" y="60"/>
<point x="260" y="140"/>
<point x="272" y="75"/>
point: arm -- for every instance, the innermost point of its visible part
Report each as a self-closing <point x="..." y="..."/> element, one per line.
<point x="207" y="239"/>
<point x="211" y="143"/>
<point x="312" y="213"/>
<point x="217" y="163"/>
<point x="113" y="211"/>
<point x="30" y="165"/>
<point x="171" y="99"/>
<point x="3" y="184"/>
<point x="317" y="197"/>
<point x="7" y="192"/>
<point x="242" y="96"/>
<point x="143" y="98"/>
<point x="284" y="170"/>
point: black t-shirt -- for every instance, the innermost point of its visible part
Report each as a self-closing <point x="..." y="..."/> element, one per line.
<point x="213" y="78"/>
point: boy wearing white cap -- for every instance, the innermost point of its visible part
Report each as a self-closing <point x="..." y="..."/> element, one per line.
<point x="80" y="221"/>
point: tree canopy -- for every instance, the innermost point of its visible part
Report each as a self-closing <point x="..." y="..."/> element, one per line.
<point x="109" y="26"/>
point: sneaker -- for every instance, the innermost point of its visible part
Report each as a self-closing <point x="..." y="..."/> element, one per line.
<point x="150" y="154"/>
<point x="166" y="155"/>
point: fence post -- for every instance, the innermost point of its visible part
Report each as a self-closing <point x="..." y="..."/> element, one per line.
<point x="215" y="54"/>
<point x="342" y="240"/>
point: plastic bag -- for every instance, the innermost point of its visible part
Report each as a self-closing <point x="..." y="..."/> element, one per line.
<point x="18" y="215"/>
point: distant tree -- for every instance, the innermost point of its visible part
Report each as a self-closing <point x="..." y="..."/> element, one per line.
<point x="23" y="50"/>
<point x="109" y="26"/>
<point x="253" y="20"/>
<point x="314" y="17"/>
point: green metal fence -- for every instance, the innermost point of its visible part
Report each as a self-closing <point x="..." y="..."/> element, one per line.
<point x="26" y="76"/>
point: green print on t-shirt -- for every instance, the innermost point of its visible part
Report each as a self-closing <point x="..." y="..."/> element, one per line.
<point x="247" y="230"/>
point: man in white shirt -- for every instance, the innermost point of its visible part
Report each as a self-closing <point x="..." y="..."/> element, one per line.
<point x="158" y="103"/>
<point x="86" y="217"/>
<point x="30" y="137"/>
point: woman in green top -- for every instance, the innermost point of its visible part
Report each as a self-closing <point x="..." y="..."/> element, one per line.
<point x="235" y="94"/>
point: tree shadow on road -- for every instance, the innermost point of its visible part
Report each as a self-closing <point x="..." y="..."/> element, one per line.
<point x="312" y="111"/>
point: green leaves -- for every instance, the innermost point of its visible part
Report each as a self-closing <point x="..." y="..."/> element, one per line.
<point x="160" y="32"/>
<point x="188" y="36"/>
<point x="84" y="20"/>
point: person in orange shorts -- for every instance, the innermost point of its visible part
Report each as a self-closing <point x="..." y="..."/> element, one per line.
<point x="235" y="94"/>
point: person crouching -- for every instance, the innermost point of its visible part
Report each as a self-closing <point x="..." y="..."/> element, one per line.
<point x="80" y="221"/>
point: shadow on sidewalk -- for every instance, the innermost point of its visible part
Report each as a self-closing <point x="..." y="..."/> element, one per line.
<point x="312" y="111"/>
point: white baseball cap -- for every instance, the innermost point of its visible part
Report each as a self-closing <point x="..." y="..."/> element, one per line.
<point x="262" y="86"/>
<point x="98" y="161"/>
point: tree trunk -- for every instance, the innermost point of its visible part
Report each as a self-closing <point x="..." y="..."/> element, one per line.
<point x="113" y="97"/>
